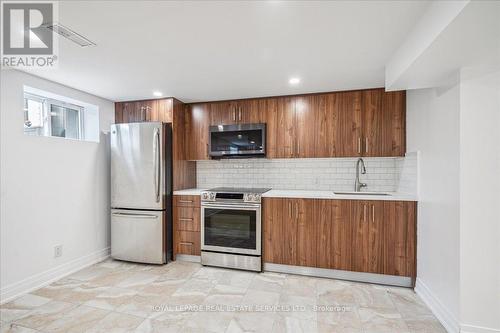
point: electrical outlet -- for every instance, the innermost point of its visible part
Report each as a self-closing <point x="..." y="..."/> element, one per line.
<point x="57" y="251"/>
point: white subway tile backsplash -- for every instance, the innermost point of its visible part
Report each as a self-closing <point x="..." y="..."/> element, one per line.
<point x="383" y="174"/>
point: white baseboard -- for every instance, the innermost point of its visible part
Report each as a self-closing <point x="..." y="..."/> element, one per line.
<point x="40" y="280"/>
<point x="446" y="318"/>
<point x="477" y="329"/>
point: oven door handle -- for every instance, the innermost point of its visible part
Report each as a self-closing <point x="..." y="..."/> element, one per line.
<point x="231" y="206"/>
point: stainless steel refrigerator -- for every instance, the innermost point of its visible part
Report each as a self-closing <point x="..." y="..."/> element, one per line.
<point x="141" y="192"/>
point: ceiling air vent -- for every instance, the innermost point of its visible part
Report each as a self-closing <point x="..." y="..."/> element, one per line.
<point x="69" y="34"/>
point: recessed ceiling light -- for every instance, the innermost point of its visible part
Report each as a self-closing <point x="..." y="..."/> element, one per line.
<point x="294" y="80"/>
<point x="157" y="93"/>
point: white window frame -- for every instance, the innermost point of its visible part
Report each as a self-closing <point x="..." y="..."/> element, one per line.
<point x="50" y="102"/>
<point x="47" y="121"/>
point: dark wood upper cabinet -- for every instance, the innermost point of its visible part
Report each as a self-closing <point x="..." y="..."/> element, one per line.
<point x="223" y="113"/>
<point x="384" y="117"/>
<point x="348" y="117"/>
<point x="197" y="124"/>
<point x="338" y="124"/>
<point x="252" y="111"/>
<point x="394" y="123"/>
<point x="249" y="111"/>
<point x="307" y="122"/>
<point x="147" y="110"/>
<point x="280" y="127"/>
<point x="328" y="125"/>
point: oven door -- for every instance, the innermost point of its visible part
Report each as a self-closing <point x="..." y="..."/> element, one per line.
<point x="231" y="228"/>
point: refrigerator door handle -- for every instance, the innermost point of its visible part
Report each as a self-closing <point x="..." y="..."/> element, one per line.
<point x="143" y="216"/>
<point x="157" y="167"/>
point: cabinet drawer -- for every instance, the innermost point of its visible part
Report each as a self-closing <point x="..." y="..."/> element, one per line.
<point x="188" y="242"/>
<point x="186" y="201"/>
<point x="187" y="218"/>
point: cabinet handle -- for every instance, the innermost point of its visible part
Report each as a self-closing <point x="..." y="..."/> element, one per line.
<point x="359" y="145"/>
<point x="186" y="201"/>
<point x="234" y="114"/>
<point x="186" y="219"/>
<point x="366" y="145"/>
<point x="207" y="151"/>
<point x="364" y="213"/>
<point x="290" y="209"/>
<point x="298" y="148"/>
<point x="373" y="213"/>
<point x="186" y="243"/>
<point x="239" y="113"/>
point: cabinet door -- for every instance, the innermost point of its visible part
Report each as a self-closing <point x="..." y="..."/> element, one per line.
<point x="289" y="232"/>
<point x="368" y="236"/>
<point x="347" y="122"/>
<point x="197" y="123"/>
<point x="341" y="234"/>
<point x="373" y="120"/>
<point x="393" y="123"/>
<point x="128" y="114"/>
<point x="281" y="127"/>
<point x="327" y="134"/>
<point x="251" y="111"/>
<point x="119" y="113"/>
<point x="161" y="110"/>
<point x="384" y="123"/>
<point x="376" y="236"/>
<point x="399" y="238"/>
<point x="360" y="235"/>
<point x="223" y="113"/>
<point x="304" y="213"/>
<point x="307" y="126"/>
<point x="272" y="229"/>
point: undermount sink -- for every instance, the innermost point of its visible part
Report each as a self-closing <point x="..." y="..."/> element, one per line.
<point x="360" y="193"/>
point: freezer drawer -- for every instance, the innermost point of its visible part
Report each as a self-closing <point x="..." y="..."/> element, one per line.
<point x="138" y="235"/>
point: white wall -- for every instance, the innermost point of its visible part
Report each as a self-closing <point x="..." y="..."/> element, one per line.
<point x="433" y="129"/>
<point x="53" y="191"/>
<point x="480" y="201"/>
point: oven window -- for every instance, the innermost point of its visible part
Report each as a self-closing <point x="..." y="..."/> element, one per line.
<point x="230" y="228"/>
<point x="237" y="141"/>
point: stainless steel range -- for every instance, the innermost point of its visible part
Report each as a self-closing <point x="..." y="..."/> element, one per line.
<point x="231" y="228"/>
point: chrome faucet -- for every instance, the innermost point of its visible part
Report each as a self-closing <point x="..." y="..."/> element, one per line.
<point x="357" y="184"/>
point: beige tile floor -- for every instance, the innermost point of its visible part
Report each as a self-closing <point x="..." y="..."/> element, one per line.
<point x="114" y="296"/>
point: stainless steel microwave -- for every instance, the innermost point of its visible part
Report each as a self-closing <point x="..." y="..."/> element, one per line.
<point x="238" y="140"/>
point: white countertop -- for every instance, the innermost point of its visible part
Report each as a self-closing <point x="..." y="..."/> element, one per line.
<point x="309" y="194"/>
<point x="190" y="191"/>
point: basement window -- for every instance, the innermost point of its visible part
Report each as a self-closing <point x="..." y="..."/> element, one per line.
<point x="47" y="114"/>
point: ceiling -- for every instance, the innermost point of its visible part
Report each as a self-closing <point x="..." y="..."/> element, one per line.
<point x="215" y="50"/>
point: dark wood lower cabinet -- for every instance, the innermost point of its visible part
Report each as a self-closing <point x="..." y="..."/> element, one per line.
<point x="364" y="236"/>
<point x="333" y="243"/>
<point x="186" y="220"/>
<point x="368" y="237"/>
